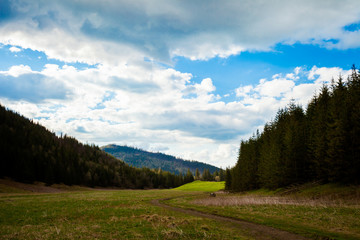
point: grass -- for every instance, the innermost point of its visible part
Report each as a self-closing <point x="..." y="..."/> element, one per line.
<point x="323" y="211"/>
<point x="103" y="214"/>
<point x="320" y="212"/>
<point x="202" y="186"/>
<point x="8" y="189"/>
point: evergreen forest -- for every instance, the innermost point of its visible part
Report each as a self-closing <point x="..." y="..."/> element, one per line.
<point x="29" y="152"/>
<point x="139" y="158"/>
<point x="318" y="144"/>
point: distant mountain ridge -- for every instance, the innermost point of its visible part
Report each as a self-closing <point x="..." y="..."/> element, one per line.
<point x="140" y="158"/>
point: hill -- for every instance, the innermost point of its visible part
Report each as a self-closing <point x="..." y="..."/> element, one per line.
<point x="30" y="152"/>
<point x="140" y="158"/>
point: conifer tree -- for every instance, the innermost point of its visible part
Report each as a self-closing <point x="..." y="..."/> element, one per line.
<point x="189" y="176"/>
<point x="197" y="174"/>
<point x="228" y="180"/>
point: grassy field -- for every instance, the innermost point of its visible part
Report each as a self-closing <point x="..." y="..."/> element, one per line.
<point x="321" y="212"/>
<point x="318" y="212"/>
<point x="202" y="186"/>
<point x="102" y="214"/>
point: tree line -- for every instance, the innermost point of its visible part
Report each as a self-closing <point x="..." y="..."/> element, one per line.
<point x="320" y="143"/>
<point x="207" y="176"/>
<point x="29" y="152"/>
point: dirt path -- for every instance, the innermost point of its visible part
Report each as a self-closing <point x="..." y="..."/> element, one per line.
<point x="256" y="230"/>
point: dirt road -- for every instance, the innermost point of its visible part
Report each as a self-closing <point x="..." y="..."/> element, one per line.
<point x="256" y="230"/>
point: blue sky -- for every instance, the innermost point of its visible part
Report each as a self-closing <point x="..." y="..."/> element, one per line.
<point x="249" y="67"/>
<point x="188" y="78"/>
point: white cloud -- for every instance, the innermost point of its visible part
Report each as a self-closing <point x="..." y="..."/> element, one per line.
<point x="15" y="49"/>
<point x="303" y="93"/>
<point x="280" y="90"/>
<point x="243" y="91"/>
<point x="15" y="71"/>
<point x="324" y="75"/>
<point x="114" y="32"/>
<point x="275" y="88"/>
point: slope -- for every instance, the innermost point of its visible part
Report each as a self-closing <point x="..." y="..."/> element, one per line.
<point x="140" y="158"/>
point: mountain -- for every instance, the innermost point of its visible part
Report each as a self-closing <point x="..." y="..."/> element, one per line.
<point x="140" y="158"/>
<point x="30" y="152"/>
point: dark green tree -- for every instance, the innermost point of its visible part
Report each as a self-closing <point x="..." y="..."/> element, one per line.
<point x="197" y="174"/>
<point x="189" y="176"/>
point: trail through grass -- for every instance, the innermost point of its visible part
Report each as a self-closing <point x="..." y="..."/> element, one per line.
<point x="105" y="214"/>
<point x="321" y="212"/>
<point x="128" y="214"/>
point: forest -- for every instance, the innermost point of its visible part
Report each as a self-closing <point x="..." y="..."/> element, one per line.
<point x="318" y="144"/>
<point x="139" y="158"/>
<point x="29" y="152"/>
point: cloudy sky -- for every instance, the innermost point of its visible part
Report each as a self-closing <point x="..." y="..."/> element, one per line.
<point x="190" y="78"/>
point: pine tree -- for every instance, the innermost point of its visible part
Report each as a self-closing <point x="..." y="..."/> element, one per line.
<point x="189" y="176"/>
<point x="294" y="146"/>
<point x="222" y="174"/>
<point x="319" y="131"/>
<point x="353" y="143"/>
<point x="337" y="133"/>
<point x="197" y="174"/>
<point x="228" y="180"/>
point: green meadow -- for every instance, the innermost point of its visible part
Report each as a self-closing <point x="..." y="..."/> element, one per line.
<point x="317" y="212"/>
<point x="102" y="214"/>
<point x="83" y="213"/>
<point x="202" y="186"/>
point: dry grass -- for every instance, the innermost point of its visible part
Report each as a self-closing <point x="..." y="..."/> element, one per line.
<point x="318" y="196"/>
<point x="157" y="218"/>
<point x="332" y="213"/>
<point x="172" y="233"/>
<point x="238" y="200"/>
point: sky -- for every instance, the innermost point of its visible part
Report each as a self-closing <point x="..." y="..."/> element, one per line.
<point x="190" y="78"/>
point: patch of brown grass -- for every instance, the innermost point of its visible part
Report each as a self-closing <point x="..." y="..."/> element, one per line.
<point x="156" y="218"/>
<point x="276" y="200"/>
<point x="172" y="233"/>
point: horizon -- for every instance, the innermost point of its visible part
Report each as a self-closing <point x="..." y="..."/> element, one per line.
<point x="182" y="78"/>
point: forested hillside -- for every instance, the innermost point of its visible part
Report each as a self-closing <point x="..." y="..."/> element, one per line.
<point x="321" y="143"/>
<point x="140" y="158"/>
<point x="29" y="152"/>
